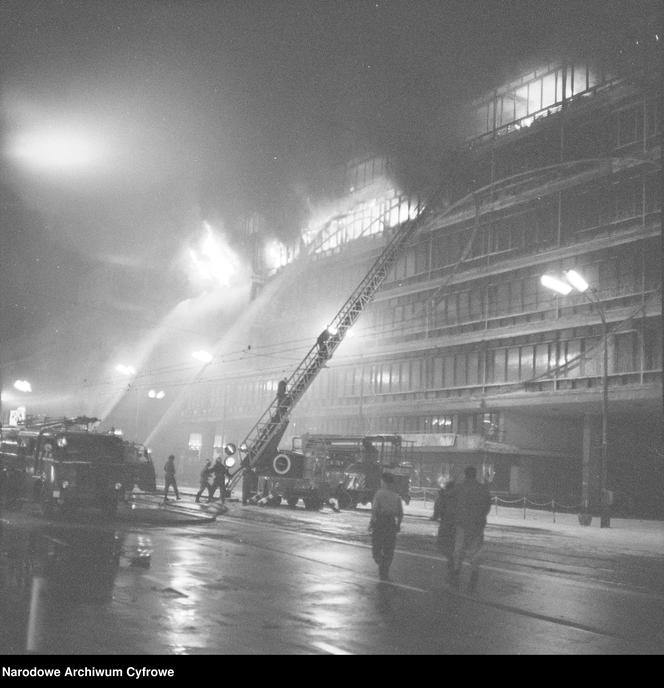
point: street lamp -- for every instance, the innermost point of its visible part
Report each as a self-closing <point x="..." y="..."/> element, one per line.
<point x="573" y="281"/>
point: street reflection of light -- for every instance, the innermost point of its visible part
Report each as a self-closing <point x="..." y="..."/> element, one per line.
<point x="332" y="604"/>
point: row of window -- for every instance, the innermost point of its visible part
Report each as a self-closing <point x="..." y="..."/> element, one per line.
<point x="612" y="274"/>
<point x="488" y="425"/>
<point x="542" y="92"/>
<point x="579" y="356"/>
<point x="536" y="228"/>
<point x="634" y="127"/>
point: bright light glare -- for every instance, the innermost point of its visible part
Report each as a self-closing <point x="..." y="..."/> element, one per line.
<point x="275" y="254"/>
<point x="125" y="369"/>
<point x="213" y="261"/>
<point x="161" y="394"/>
<point x="202" y="356"/>
<point x="555" y="284"/>
<point x="152" y="394"/>
<point x="23" y="386"/>
<point x="576" y="280"/>
<point x="332" y="330"/>
<point x="60" y="150"/>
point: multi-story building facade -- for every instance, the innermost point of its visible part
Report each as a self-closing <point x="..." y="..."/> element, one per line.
<point x="463" y="351"/>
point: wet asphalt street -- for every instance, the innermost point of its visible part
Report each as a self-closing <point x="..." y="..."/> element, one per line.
<point x="184" y="579"/>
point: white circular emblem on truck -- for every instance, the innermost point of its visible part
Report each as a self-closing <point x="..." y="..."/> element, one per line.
<point x="281" y="464"/>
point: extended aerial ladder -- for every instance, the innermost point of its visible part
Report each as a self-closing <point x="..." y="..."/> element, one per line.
<point x="263" y="438"/>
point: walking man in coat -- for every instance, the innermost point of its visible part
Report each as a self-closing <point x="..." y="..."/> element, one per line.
<point x="386" y="516"/>
<point x="446" y="501"/>
<point x="219" y="471"/>
<point x="473" y="502"/>
<point x="169" y="472"/>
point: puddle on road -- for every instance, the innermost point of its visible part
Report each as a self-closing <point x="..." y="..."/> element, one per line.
<point x="50" y="574"/>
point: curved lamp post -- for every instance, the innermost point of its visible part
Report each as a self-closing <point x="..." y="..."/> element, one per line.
<point x="573" y="281"/>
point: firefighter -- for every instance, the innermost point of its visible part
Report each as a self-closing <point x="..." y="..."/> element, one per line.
<point x="219" y="471"/>
<point x="205" y="481"/>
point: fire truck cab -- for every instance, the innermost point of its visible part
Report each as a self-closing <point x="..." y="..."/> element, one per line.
<point x="62" y="466"/>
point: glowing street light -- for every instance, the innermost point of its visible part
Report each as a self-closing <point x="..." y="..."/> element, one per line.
<point x="23" y="386"/>
<point x="153" y="394"/>
<point x="202" y="356"/>
<point x="556" y="284"/>
<point x="577" y="281"/>
<point x="57" y="149"/>
<point x="125" y="369"/>
<point x="574" y="281"/>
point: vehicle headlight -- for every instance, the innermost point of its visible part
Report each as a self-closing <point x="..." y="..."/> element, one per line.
<point x="118" y="486"/>
<point x="65" y="484"/>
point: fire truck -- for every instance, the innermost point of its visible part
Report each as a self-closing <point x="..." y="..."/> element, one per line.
<point x="260" y="458"/>
<point x="61" y="465"/>
<point x="347" y="468"/>
<point x="138" y="468"/>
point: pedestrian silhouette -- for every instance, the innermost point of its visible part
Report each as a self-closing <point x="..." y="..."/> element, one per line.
<point x="386" y="517"/>
<point x="169" y="472"/>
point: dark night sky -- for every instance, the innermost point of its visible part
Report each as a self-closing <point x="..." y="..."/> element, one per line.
<point x="214" y="109"/>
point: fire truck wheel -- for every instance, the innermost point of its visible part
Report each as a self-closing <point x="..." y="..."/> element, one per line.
<point x="292" y="501"/>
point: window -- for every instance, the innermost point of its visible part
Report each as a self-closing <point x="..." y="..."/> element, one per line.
<point x="626" y="352"/>
<point x="460" y="376"/>
<point x="438" y="379"/>
<point x="195" y="441"/>
<point x="442" y="424"/>
<point x="527" y="362"/>
<point x="416" y="374"/>
<point x="627" y="195"/>
<point x="629" y="125"/>
<point x="467" y="424"/>
<point x="541" y="359"/>
<point x="473" y="369"/>
<point x="496" y="361"/>
<point x="513" y="364"/>
<point x="489" y="424"/>
<point x="464" y="306"/>
<point x="653" y="348"/>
